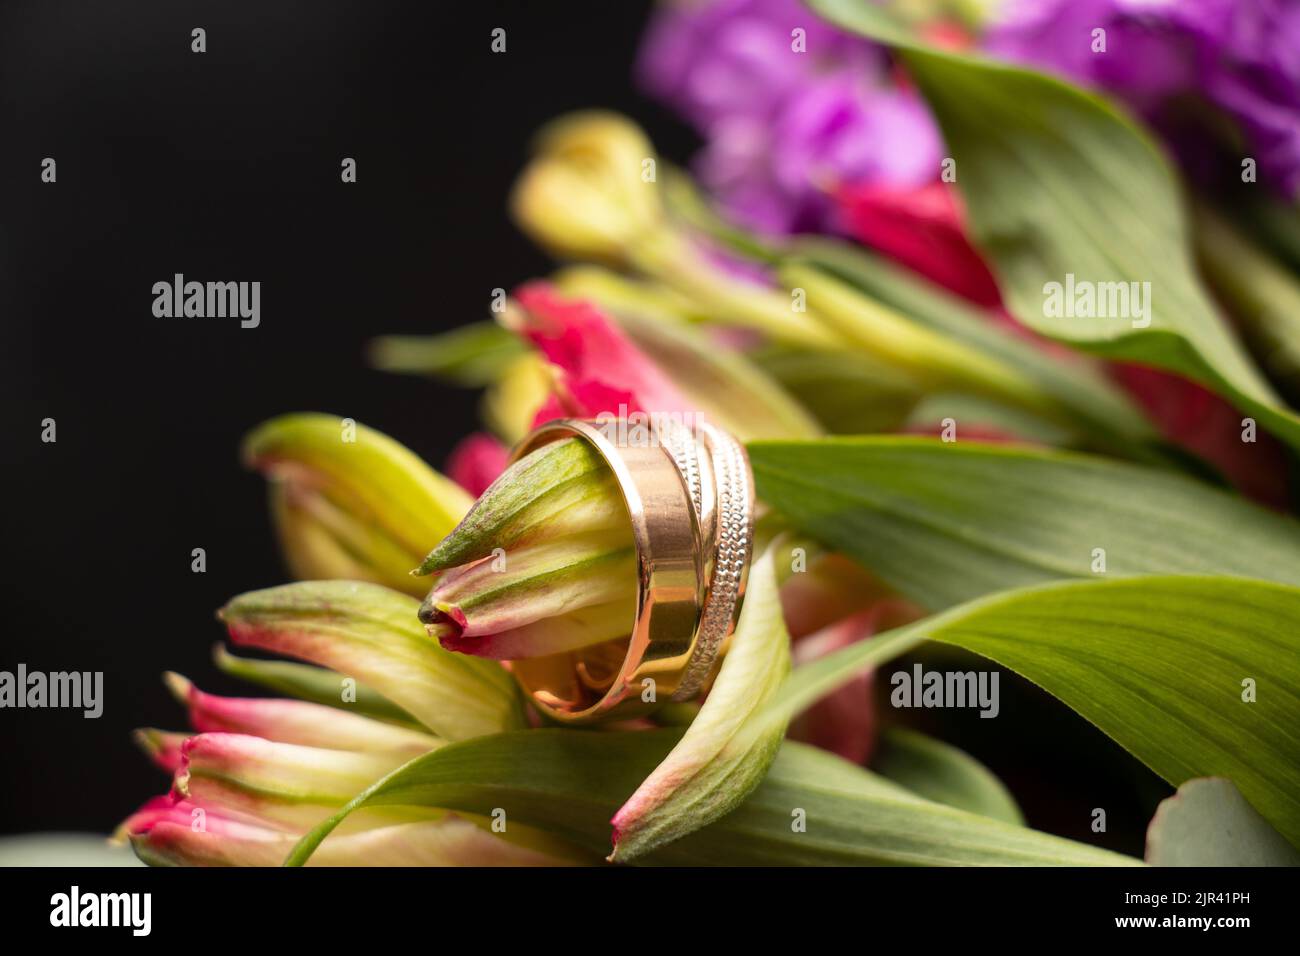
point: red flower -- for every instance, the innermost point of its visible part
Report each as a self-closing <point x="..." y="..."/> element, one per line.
<point x="922" y="228"/>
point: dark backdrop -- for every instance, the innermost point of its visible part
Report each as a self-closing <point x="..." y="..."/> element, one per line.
<point x="225" y="166"/>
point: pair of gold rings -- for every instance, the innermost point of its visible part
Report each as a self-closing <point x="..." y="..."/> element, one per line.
<point x="689" y="494"/>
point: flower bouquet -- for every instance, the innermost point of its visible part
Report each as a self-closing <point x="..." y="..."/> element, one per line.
<point x="967" y="349"/>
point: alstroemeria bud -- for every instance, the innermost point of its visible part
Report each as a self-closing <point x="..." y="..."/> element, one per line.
<point x="586" y="194"/>
<point x="934" y="360"/>
<point x="261" y="772"/>
<point x="163" y="833"/>
<point x="163" y="747"/>
<point x="540" y="599"/>
<point x="592" y="192"/>
<point x="544" y="562"/>
<point x="370" y="635"/>
<point x="564" y="488"/>
<point x="296" y="722"/>
<point x="348" y="501"/>
<point x="285" y="784"/>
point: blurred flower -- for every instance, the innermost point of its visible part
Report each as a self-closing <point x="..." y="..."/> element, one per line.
<point x="1240" y="55"/>
<point x="586" y="192"/>
<point x="592" y="191"/>
<point x="1195" y="418"/>
<point x="923" y="229"/>
<point x="789" y="107"/>
<point x="477" y="461"/>
<point x="598" y="370"/>
<point x="717" y="59"/>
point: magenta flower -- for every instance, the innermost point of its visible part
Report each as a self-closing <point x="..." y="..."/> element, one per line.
<point x="715" y="60"/>
<point x="476" y="461"/>
<point x="789" y="108"/>
<point x="1242" y="56"/>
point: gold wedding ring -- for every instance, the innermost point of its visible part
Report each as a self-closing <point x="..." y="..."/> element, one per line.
<point x="690" y="499"/>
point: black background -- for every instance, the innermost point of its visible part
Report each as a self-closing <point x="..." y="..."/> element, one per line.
<point x="225" y="166"/>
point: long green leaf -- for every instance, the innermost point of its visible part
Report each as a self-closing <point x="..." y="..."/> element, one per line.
<point x="1057" y="182"/>
<point x="940" y="772"/>
<point x="812" y="809"/>
<point x="1165" y="666"/>
<point x="850" y="393"/>
<point x="948" y="522"/>
<point x="1261" y="292"/>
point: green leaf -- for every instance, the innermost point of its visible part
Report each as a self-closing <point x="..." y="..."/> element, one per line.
<point x="972" y="415"/>
<point x="947" y="522"/>
<point x="569" y="783"/>
<point x="1157" y="663"/>
<point x="940" y="772"/>
<point x="472" y="355"/>
<point x="1208" y="823"/>
<point x="1058" y="182"/>
<point x="935" y="360"/>
<point x="1262" y="294"/>
<point x="706" y="776"/>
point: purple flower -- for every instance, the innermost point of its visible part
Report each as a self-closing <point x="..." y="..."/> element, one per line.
<point x="785" y="115"/>
<point x="1242" y="56"/>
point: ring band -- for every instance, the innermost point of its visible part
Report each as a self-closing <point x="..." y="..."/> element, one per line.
<point x="689" y="497"/>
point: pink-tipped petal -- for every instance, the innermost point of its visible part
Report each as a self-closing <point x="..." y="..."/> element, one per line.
<point x="449" y="841"/>
<point x="162" y="746"/>
<point x="552" y="635"/>
<point x="372" y="636"/>
<point x="296" y="722"/>
<point x="281" y="784"/>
